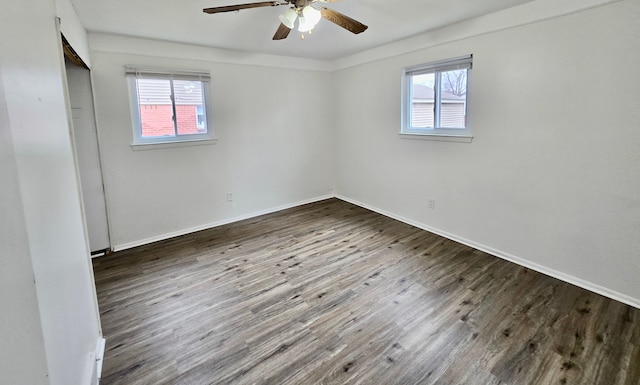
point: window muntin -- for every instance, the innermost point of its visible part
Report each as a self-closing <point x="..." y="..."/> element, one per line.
<point x="168" y="106"/>
<point x="434" y="100"/>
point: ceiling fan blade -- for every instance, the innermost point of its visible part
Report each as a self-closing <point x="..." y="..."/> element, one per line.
<point x="282" y="32"/>
<point x="237" y="7"/>
<point x="343" y="21"/>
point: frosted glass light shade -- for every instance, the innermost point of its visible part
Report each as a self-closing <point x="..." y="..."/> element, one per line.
<point x="289" y="18"/>
<point x="311" y="14"/>
<point x="304" y="25"/>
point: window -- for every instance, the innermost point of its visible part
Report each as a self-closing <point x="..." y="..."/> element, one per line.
<point x="168" y="106"/>
<point x="434" y="98"/>
<point x="201" y="118"/>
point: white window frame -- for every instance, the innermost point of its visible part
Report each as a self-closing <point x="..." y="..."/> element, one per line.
<point x="464" y="62"/>
<point x="134" y="73"/>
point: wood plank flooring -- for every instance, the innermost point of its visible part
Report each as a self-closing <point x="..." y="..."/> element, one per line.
<point x="330" y="293"/>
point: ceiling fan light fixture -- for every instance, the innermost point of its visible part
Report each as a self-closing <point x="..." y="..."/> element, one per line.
<point x="304" y="24"/>
<point x="289" y="18"/>
<point x="301" y="10"/>
<point x="311" y="14"/>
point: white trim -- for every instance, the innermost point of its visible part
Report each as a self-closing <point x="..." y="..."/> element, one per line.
<point x="635" y="302"/>
<point x="222" y="222"/>
<point x="136" y="123"/>
<point x="164" y="73"/>
<point x="182" y="143"/>
<point x="99" y="360"/>
<point x="93" y="368"/>
<point x="437" y="137"/>
<point x="406" y="99"/>
<point x="452" y="64"/>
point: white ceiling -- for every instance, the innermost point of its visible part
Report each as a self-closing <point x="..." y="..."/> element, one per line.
<point x="252" y="29"/>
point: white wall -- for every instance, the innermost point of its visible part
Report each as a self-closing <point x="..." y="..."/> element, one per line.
<point x="49" y="200"/>
<point x="548" y="180"/>
<point x="22" y="356"/>
<point x="272" y="150"/>
<point x="551" y="178"/>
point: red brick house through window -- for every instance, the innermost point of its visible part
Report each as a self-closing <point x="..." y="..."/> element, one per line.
<point x="155" y="100"/>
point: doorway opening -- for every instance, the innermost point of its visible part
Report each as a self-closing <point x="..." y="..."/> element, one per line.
<point x="87" y="151"/>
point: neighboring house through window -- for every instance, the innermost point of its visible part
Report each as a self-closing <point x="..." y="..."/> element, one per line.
<point x="168" y="106"/>
<point x="200" y="116"/>
<point x="434" y="98"/>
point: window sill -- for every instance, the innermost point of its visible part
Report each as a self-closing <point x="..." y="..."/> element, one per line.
<point x="438" y="137"/>
<point x="182" y="143"/>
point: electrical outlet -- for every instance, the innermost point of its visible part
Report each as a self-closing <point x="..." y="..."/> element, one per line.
<point x="432" y="203"/>
<point x="229" y="196"/>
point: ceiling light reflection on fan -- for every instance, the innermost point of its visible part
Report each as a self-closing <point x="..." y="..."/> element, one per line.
<point x="289" y="18"/>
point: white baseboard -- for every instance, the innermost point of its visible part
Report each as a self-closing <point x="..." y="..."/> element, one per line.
<point x="207" y="226"/>
<point x="93" y="367"/>
<point x="97" y="372"/>
<point x="635" y="302"/>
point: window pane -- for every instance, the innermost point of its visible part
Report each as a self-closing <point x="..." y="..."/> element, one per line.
<point x="189" y="107"/>
<point x="156" y="112"/>
<point x="422" y="99"/>
<point x="201" y="117"/>
<point x="453" y="99"/>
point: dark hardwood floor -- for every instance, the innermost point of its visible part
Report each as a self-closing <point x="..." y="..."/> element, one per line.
<point x="330" y="293"/>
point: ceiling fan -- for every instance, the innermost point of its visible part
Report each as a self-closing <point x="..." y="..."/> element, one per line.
<point x="300" y="10"/>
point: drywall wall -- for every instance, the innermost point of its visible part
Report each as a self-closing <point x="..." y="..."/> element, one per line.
<point x="272" y="146"/>
<point x="551" y="177"/>
<point x="532" y="11"/>
<point x="44" y="165"/>
<point x="544" y="183"/>
<point x="22" y="356"/>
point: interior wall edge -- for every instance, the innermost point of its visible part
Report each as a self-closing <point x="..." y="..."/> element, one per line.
<point x="146" y="241"/>
<point x="587" y="285"/>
